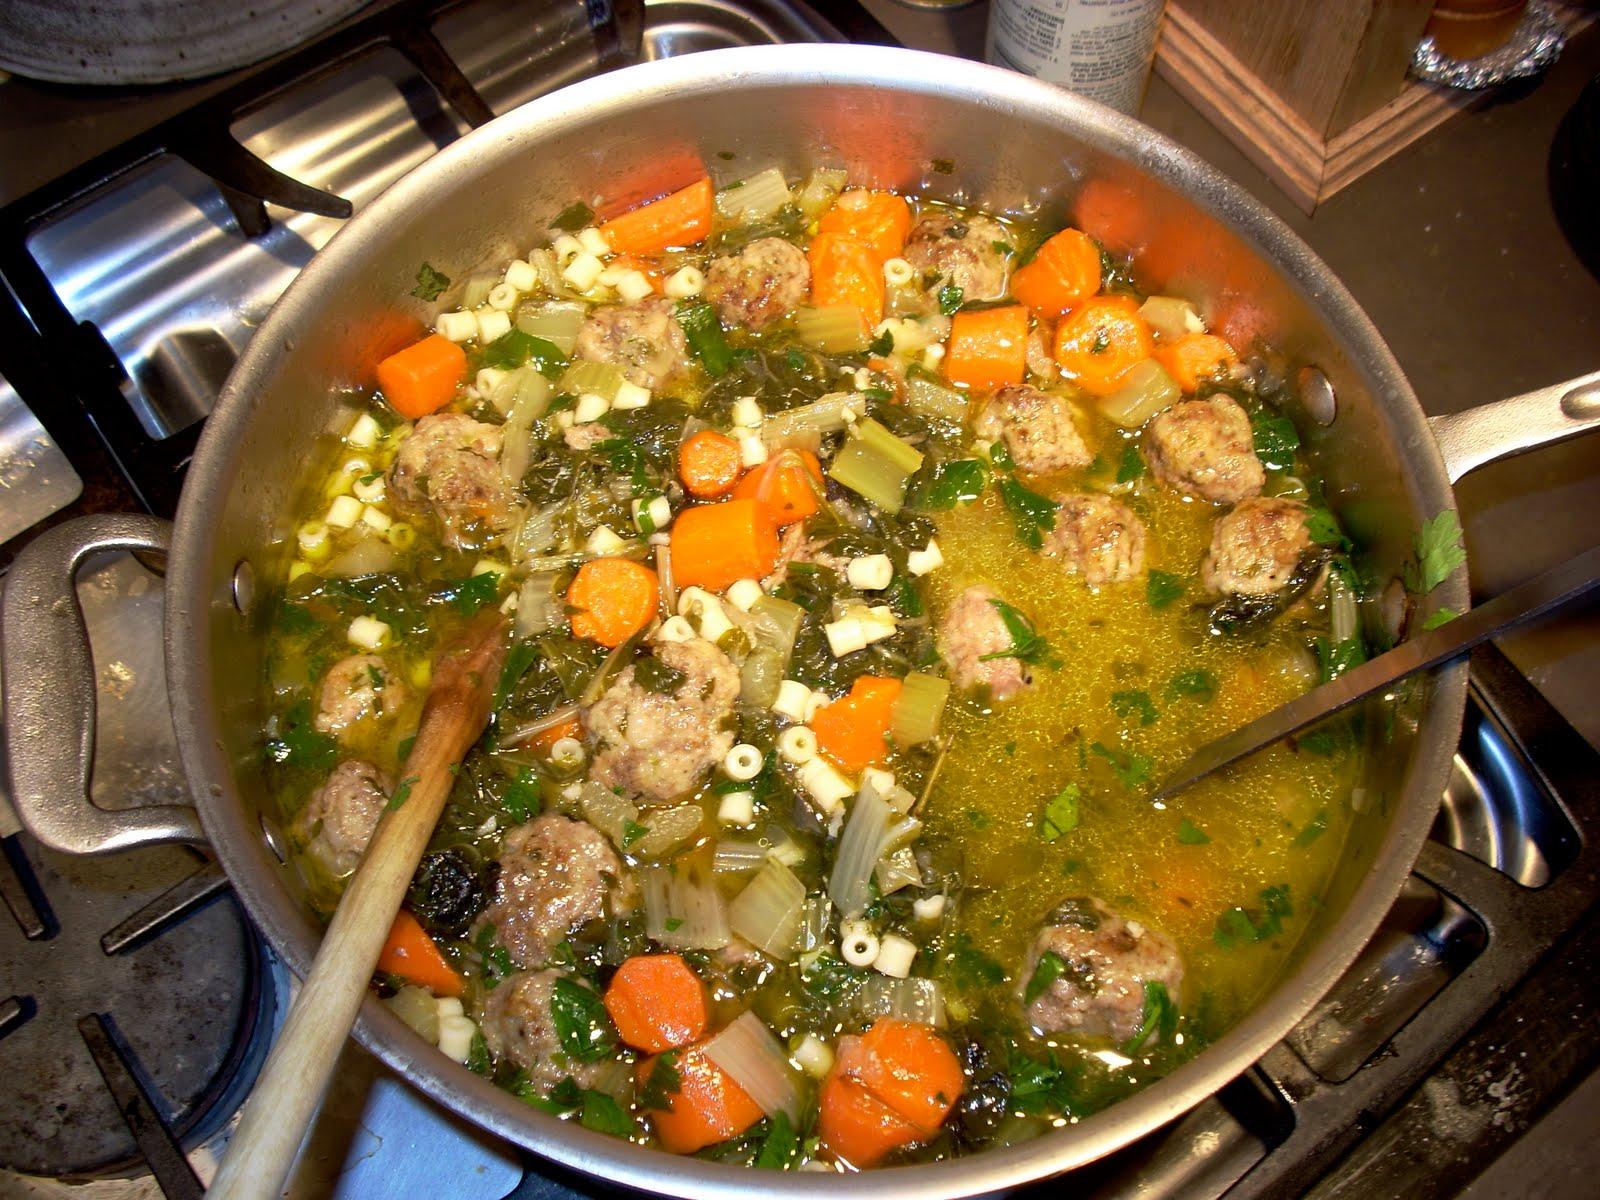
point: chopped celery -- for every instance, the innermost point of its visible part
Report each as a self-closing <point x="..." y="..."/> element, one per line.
<point x="833" y="328"/>
<point x="820" y="190"/>
<point x="529" y="397"/>
<point x="759" y="677"/>
<point x="775" y="625"/>
<point x="556" y="321"/>
<point x="897" y="870"/>
<point x="683" y="909"/>
<point x="761" y="195"/>
<point x="1171" y="317"/>
<point x="860" y="847"/>
<point x="592" y="378"/>
<point x="826" y="415"/>
<point x="918" y="709"/>
<point x="1146" y="390"/>
<point x="476" y="290"/>
<point x="876" y="465"/>
<point x="905" y="456"/>
<point x="704" y="333"/>
<point x="767" y="912"/>
<point x="929" y="398"/>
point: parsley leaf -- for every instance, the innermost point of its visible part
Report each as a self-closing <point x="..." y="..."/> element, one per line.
<point x="1441" y="616"/>
<point x="1162" y="588"/>
<point x="603" y="1114"/>
<point x="298" y="743"/>
<point x="781" y="1146"/>
<point x="573" y="217"/>
<point x="949" y="299"/>
<point x="1030" y="512"/>
<point x="1439" y="553"/>
<point x="1051" y="967"/>
<point x="1160" y="1017"/>
<point x="1199" y="683"/>
<point x="1240" y="925"/>
<point x="1190" y="834"/>
<point x="662" y="1084"/>
<point x="580" y="1021"/>
<point x="632" y="831"/>
<point x="1275" y="438"/>
<point x="1132" y="464"/>
<point x="1131" y="769"/>
<point x="1335" y="658"/>
<point x="430" y="283"/>
<point x="402" y="793"/>
<point x="1134" y="704"/>
<point x="953" y="483"/>
<point x="1060" y="814"/>
<point x="1026" y="644"/>
<point x="522" y="798"/>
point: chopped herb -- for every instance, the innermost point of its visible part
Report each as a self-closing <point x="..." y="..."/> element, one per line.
<point x="562" y="1098"/>
<point x="1051" y="967"/>
<point x="297" y="619"/>
<point x="1060" y="814"/>
<point x="1240" y="925"/>
<point x="1134" y="704"/>
<point x="580" y="1021"/>
<point x="653" y="675"/>
<point x="573" y="217"/>
<point x="953" y="483"/>
<point x="795" y="360"/>
<point x="1162" y="588"/>
<point x="1000" y="456"/>
<point x="1325" y="742"/>
<point x="903" y="598"/>
<point x="1030" y="512"/>
<point x="519" y="658"/>
<point x="514" y="349"/>
<point x="375" y="677"/>
<point x="497" y="962"/>
<point x="781" y="1147"/>
<point x="882" y="345"/>
<point x="1315" y="828"/>
<point x="298" y="744"/>
<point x="673" y="924"/>
<point x="1132" y="464"/>
<point x="949" y="299"/>
<point x="1131" y="769"/>
<point x="1323" y="527"/>
<point x="970" y="968"/>
<point x="522" y="798"/>
<point x="1442" y="616"/>
<point x="632" y="831"/>
<point x="1439" y="553"/>
<point x="479" y="1061"/>
<point x="703" y="331"/>
<point x="403" y="750"/>
<point x="663" y="1083"/>
<point x="977" y="818"/>
<point x="1026" y="644"/>
<point x="402" y="793"/>
<point x="1102" y="342"/>
<point x="430" y="283"/>
<point x="1275" y="438"/>
<point x="603" y="1114"/>
<point x="1160" y="1017"/>
<point x="1199" y="683"/>
<point x="467" y="596"/>
<point x="1190" y="834"/>
<point x="1040" y="1089"/>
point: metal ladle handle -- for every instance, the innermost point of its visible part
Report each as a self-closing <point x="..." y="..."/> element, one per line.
<point x="50" y="693"/>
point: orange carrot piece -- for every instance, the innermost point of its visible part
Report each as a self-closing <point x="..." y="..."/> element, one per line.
<point x="681" y="219"/>
<point x="988" y="348"/>
<point x="846" y="270"/>
<point x="1064" y="274"/>
<point x="715" y="544"/>
<point x="411" y="954"/>
<point x="856" y="1126"/>
<point x="657" y="1003"/>
<point x="1195" y="357"/>
<point x="708" y="1107"/>
<point x="542" y="741"/>
<point x="908" y="1067"/>
<point x="1100" y="340"/>
<point x="880" y="220"/>
<point x="612" y="599"/>
<point x="709" y="464"/>
<point x="422" y="378"/>
<point x="780" y="485"/>
<point x="853" y="730"/>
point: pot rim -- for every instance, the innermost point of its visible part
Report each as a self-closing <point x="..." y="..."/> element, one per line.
<point x="237" y="838"/>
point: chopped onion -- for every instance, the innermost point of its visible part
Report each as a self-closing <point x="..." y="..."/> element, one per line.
<point x="775" y="624"/>
<point x="417" y="1008"/>
<point x="760" y="675"/>
<point x="860" y="847"/>
<point x="1171" y="317"/>
<point x="476" y="289"/>
<point x="538" y="532"/>
<point x="372" y="555"/>
<point x="747" y="1051"/>
<point x="543" y="262"/>
<point x="539" y="609"/>
<point x="736" y="856"/>
<point x="557" y="322"/>
<point x="683" y="909"/>
<point x="768" y="911"/>
<point x="919" y="1000"/>
<point x="900" y="834"/>
<point x="761" y="195"/>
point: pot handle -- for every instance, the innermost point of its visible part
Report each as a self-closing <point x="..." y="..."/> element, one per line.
<point x="50" y="693"/>
<point x="1477" y="436"/>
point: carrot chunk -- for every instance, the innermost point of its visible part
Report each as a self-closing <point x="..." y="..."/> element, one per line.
<point x="709" y="464"/>
<point x="612" y="599"/>
<point x="715" y="544"/>
<point x="846" y="270"/>
<point x="422" y="378"/>
<point x="411" y="954"/>
<point x="780" y="485"/>
<point x="1064" y="274"/>
<point x="907" y="1066"/>
<point x="879" y="220"/>
<point x="1100" y="340"/>
<point x="1195" y="357"/>
<point x="681" y="219"/>
<point x="708" y="1107"/>
<point x="853" y="730"/>
<point x="988" y="348"/>
<point x="657" y="1003"/>
<point x="856" y="1126"/>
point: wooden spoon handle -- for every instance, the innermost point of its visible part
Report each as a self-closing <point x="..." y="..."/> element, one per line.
<point x="279" y="1111"/>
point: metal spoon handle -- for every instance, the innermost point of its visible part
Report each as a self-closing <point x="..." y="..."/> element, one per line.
<point x="1453" y="639"/>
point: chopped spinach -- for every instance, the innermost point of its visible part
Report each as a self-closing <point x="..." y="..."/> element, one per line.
<point x="704" y="333"/>
<point x="662" y="1084"/>
<point x="1050" y="968"/>
<point x="1199" y="683"/>
<point x="580" y="1020"/>
<point x="1160" y="1017"/>
<point x="1161" y="588"/>
<point x="952" y="483"/>
<point x="1190" y="834"/>
<point x="467" y="596"/>
<point x="970" y="968"/>
<point x="1031" y="513"/>
<point x="1134" y="704"/>
<point x="1240" y="925"/>
<point x="1131" y="466"/>
<point x="950" y="299"/>
<point x="780" y="1149"/>
<point x="1061" y="814"/>
<point x="1315" y="828"/>
<point x="1131" y="769"/>
<point x="1276" y="439"/>
<point x="1026" y="643"/>
<point x="297" y="743"/>
<point x="653" y="675"/>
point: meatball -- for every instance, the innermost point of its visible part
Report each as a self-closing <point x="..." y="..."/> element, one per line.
<point x="762" y="282"/>
<point x="1108" y="960"/>
<point x="337" y="822"/>
<point x="1037" y="428"/>
<point x="555" y="874"/>
<point x="1098" y="537"/>
<point x="961" y="252"/>
<point x="971" y="629"/>
<point x="449" y="466"/>
<point x="1204" y="447"/>
<point x="1256" y="547"/>
<point x="644" y="339"/>
<point x="355" y="691"/>
<point x="519" y="1029"/>
<point x="660" y="745"/>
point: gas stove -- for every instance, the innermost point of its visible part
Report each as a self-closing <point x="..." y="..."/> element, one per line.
<point x="136" y="1001"/>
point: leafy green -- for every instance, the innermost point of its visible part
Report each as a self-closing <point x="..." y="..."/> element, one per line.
<point x="970" y="968"/>
<point x="1439" y="553"/>
<point x="780" y="1149"/>
<point x="1440" y="616"/>
<point x="580" y="1021"/>
<point x="1131" y="466"/>
<point x="1199" y="683"/>
<point x="1331" y="739"/>
<point x="297" y="743"/>
<point x="1315" y="828"/>
<point x="497" y="962"/>
<point x="950" y="298"/>
<point x="467" y="596"/>
<point x="882" y="345"/>
<point x="632" y="831"/>
<point x="402" y="793"/>
<point x="1134" y="704"/>
<point x="653" y="675"/>
<point x="1190" y="834"/>
<point x="1032" y="513"/>
<point x="603" y="1114"/>
<point x="1240" y="925"/>
<point x="297" y="619"/>
<point x="1061" y="813"/>
<point x="1335" y="658"/>
<point x="1045" y="1088"/>
<point x="573" y="217"/>
<point x="430" y="283"/>
<point x="1026" y="643"/>
<point x="663" y="1083"/>
<point x="479" y="1060"/>
<point x="1131" y="769"/>
<point x="1275" y="438"/>
<point x="522" y="798"/>
<point x="952" y="483"/>
<point x="1323" y="527"/>
<point x="514" y="348"/>
<point x="1162" y="588"/>
<point x="1160" y="1017"/>
<point x="703" y="331"/>
<point x="1050" y="968"/>
<point x="559" y="1100"/>
<point x="519" y="658"/>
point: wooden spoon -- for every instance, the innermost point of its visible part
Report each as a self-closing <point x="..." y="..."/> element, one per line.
<point x="292" y="1082"/>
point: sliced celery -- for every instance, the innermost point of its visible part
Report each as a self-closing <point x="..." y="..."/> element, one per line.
<point x="775" y="625"/>
<point x="929" y="398"/>
<point x="1146" y="390"/>
<point x="592" y="378"/>
<point x="759" y="677"/>
<point x="768" y="911"/>
<point x="1171" y="317"/>
<point x="556" y="321"/>
<point x="876" y="464"/>
<point x="761" y="195"/>
<point x="826" y="415"/>
<point x="919" y="708"/>
<point x="528" y="394"/>
<point x="820" y="190"/>
<point x="833" y="329"/>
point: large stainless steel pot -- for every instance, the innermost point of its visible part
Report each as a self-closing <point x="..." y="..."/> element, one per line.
<point x="898" y="119"/>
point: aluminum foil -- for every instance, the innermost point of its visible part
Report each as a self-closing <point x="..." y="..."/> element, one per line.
<point x="1536" y="44"/>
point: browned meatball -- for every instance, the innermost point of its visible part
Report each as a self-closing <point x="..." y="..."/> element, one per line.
<point x="644" y="339"/>
<point x="1256" y="547"/>
<point x="449" y="467"/>
<point x="519" y="1029"/>
<point x="1098" y="537"/>
<point x="963" y="252"/>
<point x="555" y="874"/>
<point x="1204" y="447"/>
<point x="767" y="279"/>
<point x="337" y="822"/>
<point x="1037" y="428"/>
<point x="356" y="692"/>
<point x="971" y="629"/>
<point x="1108" y="960"/>
<point x="660" y="745"/>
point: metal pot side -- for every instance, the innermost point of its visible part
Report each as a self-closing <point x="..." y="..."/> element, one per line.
<point x="918" y="122"/>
